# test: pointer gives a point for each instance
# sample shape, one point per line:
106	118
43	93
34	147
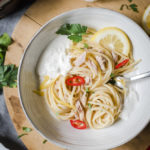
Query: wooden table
39	13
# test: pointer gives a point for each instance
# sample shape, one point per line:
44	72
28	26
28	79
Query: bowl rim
55	141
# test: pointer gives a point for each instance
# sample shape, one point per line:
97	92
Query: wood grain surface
39	13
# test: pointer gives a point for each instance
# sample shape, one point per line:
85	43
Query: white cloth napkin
2	147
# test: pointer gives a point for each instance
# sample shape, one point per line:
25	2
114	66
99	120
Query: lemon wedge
146	20
114	39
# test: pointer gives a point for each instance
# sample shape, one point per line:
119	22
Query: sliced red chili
75	81
121	64
78	124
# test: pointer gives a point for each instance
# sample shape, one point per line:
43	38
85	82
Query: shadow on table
11	144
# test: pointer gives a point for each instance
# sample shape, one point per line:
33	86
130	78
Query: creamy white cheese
130	103
54	60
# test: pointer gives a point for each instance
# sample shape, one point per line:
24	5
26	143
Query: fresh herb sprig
133	6
8	76
26	131
8	73
21	135
112	75
73	31
5	41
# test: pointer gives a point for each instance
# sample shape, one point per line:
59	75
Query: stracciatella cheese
54	60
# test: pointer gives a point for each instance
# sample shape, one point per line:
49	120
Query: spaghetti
85	95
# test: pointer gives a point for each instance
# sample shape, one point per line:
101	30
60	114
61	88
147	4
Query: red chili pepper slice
78	124
75	81
121	64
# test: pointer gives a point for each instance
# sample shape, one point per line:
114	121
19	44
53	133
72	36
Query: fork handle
140	76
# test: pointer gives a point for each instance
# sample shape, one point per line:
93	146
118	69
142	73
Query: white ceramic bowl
60	132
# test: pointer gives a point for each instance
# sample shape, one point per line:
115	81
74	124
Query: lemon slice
146	20
114	39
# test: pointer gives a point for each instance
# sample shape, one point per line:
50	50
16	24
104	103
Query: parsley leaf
112	75
87	90
19	136
86	45
122	6
134	7
130	1
74	31
64	29
2	55
5	40
44	141
75	38
90	106
26	129
8	75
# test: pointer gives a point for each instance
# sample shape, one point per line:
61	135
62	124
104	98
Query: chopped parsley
73	31
90	106
124	5
44	141
21	135
8	73
87	90
5	41
86	45
112	75
26	129
134	7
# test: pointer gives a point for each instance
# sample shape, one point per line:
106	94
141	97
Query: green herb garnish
112	75
44	141
19	136
122	6
74	31
5	41
86	45
87	90
26	129
8	75
134	7
90	106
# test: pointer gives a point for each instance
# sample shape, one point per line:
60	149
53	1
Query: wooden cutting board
39	13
